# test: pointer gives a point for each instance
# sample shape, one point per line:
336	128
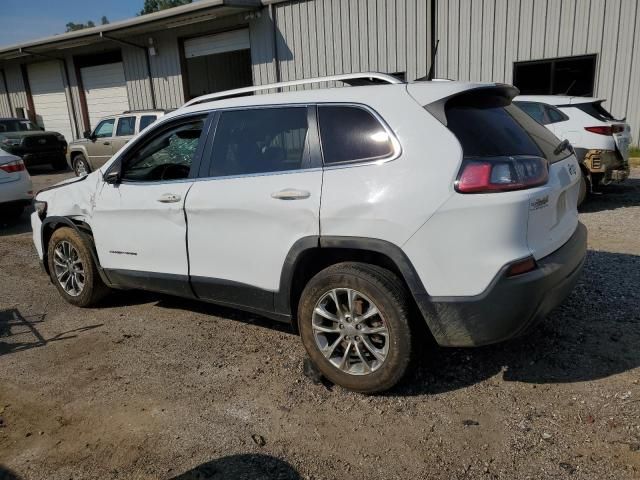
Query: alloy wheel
69	269
350	331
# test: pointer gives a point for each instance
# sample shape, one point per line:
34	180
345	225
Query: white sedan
16	190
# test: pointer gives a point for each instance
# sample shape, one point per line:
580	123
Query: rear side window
146	120
259	140
126	126
555	115
351	134
533	109
490	126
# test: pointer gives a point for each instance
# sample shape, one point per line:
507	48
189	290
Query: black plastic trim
282	298
509	305
228	292
169	283
54	221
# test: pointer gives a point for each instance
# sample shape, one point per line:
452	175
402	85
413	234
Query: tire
375	287
81	293
81	166
584	189
60	164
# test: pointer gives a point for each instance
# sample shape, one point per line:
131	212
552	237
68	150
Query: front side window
146	120
259	140
126	126
352	134
165	156
104	129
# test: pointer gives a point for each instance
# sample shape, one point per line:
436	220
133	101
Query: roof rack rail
353	79
142	110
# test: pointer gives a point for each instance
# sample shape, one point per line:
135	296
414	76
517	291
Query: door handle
107	143
291	194
169	198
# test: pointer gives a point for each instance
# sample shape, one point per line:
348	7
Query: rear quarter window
146	120
352	134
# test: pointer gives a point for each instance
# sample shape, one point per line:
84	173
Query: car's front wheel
81	166
354	323
72	268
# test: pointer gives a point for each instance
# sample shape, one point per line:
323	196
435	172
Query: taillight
501	174
12	167
606	129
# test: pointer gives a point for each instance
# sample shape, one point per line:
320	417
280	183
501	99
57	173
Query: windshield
17	125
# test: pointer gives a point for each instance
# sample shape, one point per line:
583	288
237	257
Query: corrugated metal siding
327	37
5	110
16	87
476	36
135	71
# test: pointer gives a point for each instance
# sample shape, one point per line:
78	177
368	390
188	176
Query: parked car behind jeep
110	135
601	142
35	146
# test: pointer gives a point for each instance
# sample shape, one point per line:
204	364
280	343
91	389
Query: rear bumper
510	305
40	158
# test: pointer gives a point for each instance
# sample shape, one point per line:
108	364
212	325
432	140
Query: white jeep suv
358	214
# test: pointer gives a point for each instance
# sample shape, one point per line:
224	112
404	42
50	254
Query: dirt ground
153	387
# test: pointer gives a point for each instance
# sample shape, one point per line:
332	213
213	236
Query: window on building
259	140
352	134
558	76
126	126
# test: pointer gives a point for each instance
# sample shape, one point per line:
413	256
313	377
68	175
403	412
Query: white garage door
49	97
218	43
105	90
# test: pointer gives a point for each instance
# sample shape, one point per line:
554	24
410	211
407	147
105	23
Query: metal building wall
480	40
327	37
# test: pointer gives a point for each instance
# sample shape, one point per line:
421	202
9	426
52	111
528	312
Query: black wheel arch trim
79	226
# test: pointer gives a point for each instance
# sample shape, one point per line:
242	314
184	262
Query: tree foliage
72	26
151	6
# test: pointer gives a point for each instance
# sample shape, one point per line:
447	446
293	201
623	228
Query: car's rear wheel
81	166
354	323
72	268
60	163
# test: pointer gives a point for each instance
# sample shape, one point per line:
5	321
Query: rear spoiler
480	95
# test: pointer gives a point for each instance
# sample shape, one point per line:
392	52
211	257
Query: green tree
151	6
104	20
72	27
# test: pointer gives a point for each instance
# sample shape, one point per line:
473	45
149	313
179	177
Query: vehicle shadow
22	225
594	334
136	297
19	333
6	474
611	197
242	467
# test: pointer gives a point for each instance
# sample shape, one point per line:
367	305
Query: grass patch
634	151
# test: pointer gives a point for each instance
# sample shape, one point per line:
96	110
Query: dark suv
35	146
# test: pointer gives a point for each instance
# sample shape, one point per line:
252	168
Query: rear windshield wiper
563	145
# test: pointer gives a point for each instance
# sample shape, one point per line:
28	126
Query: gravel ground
150	386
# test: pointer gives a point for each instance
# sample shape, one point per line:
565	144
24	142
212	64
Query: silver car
109	136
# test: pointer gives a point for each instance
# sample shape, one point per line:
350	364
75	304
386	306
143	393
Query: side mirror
112	177
86	134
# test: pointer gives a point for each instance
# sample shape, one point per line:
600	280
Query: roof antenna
433	62
571	86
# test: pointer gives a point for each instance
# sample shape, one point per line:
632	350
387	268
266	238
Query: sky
24	20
